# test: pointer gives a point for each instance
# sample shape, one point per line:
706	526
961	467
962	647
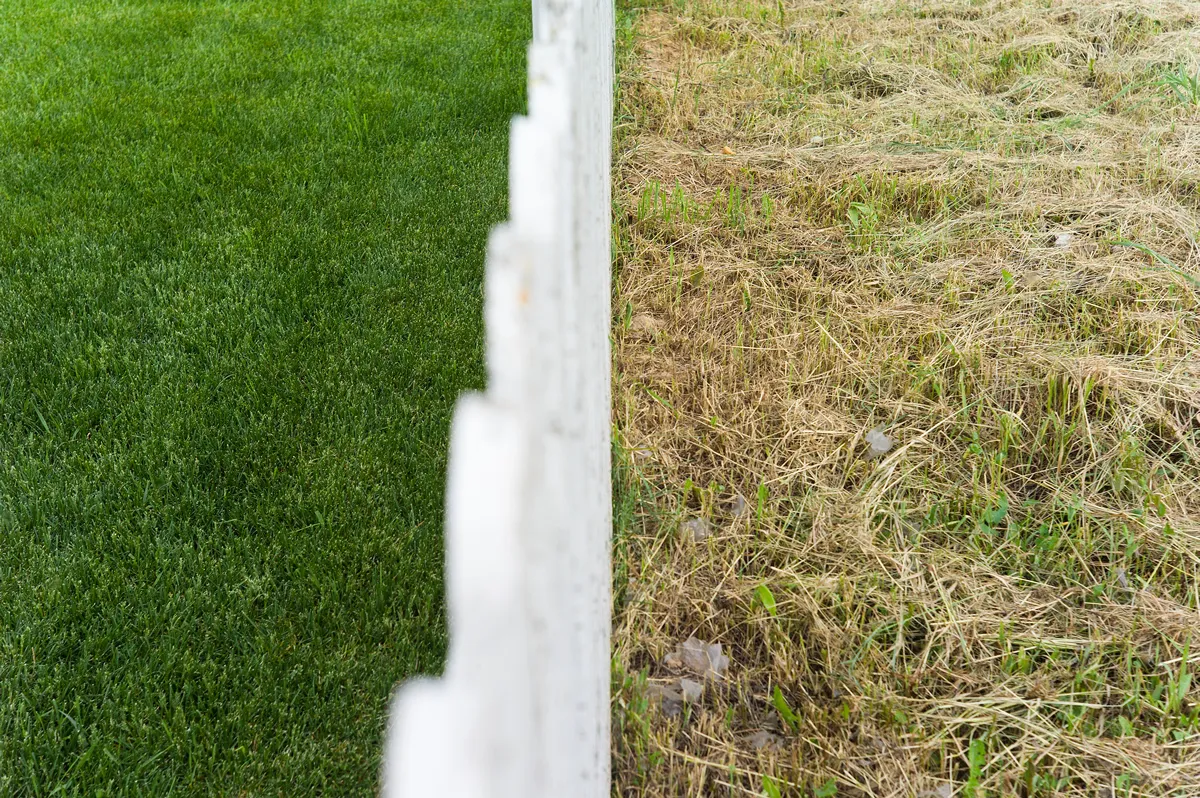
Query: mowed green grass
241	254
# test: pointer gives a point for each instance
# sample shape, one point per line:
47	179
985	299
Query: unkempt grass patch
241	253
908	391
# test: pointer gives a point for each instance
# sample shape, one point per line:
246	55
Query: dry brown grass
1004	603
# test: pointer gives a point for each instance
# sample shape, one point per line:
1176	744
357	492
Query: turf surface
241	251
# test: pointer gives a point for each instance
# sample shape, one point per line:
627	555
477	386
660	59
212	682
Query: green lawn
241	253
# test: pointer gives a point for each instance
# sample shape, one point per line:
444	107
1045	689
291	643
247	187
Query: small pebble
817	141
1063	240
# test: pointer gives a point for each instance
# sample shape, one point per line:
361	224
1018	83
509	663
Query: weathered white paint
522	709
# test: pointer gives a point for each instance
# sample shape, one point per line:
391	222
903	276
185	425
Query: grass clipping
908	394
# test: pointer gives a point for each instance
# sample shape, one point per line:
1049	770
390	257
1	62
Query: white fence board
523	706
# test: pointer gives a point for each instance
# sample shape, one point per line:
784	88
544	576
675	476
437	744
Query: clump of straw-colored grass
969	228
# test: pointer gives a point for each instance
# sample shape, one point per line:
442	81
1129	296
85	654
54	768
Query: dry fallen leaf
703	659
698	529
880	444
671	697
763	740
644	323
726	151
666	698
